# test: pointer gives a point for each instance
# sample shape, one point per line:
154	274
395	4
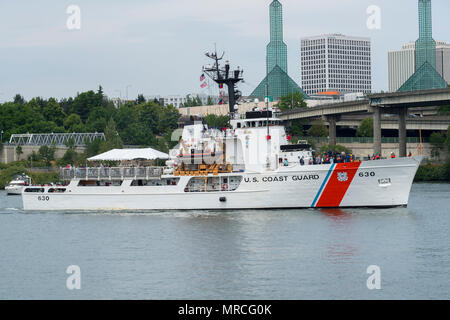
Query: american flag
202	77
203	85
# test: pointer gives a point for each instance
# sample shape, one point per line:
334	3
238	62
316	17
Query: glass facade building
425	45
277	82
425	76
276	49
402	64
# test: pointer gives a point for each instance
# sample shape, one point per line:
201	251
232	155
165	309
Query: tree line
138	122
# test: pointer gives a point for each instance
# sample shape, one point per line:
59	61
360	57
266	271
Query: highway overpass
429	123
375	105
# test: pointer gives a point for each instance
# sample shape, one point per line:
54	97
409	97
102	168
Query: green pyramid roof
425	78
280	84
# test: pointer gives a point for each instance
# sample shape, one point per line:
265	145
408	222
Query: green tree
192	102
293	100
70	144
19	152
448	138
437	141
66	104
444	110
365	128
96	121
52	111
69	157
215	121
137	124
47	154
297	127
113	140
73	123
210	101
318	129
140	99
85	102
34	156
168	119
93	148
18	99
197	101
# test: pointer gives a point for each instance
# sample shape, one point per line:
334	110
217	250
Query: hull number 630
367	174
43	198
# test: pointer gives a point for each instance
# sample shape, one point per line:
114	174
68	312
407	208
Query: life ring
224	186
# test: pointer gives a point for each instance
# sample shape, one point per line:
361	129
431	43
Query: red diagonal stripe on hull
335	190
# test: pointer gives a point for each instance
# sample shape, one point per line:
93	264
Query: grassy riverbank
433	172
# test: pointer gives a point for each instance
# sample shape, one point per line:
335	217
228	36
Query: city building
179	100
277	82
335	62
425	75
402	63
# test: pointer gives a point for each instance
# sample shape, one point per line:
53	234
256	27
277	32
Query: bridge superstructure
397	103
57	139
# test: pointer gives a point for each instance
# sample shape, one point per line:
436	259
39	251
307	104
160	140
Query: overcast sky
157	46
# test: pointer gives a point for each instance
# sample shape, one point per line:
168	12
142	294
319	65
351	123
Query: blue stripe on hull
323	185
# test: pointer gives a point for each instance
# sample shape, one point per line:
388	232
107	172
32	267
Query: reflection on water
335	213
251	254
340	248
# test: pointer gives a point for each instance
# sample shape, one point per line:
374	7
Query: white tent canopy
130	154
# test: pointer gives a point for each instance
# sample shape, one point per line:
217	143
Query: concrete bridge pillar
402	114
332	131
332	120
376	130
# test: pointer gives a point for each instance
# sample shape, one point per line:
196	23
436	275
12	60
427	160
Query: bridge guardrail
367	139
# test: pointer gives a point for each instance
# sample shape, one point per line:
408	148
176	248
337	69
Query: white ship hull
381	183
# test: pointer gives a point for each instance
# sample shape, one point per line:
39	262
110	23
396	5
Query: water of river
282	254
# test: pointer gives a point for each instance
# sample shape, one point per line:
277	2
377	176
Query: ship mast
225	76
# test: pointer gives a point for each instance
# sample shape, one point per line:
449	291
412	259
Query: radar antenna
223	76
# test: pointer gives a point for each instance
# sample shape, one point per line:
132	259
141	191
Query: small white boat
16	185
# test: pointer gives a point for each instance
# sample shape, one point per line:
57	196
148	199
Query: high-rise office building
277	82
335	62
402	64
425	75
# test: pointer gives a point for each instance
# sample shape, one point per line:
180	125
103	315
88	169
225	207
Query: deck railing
367	139
115	173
